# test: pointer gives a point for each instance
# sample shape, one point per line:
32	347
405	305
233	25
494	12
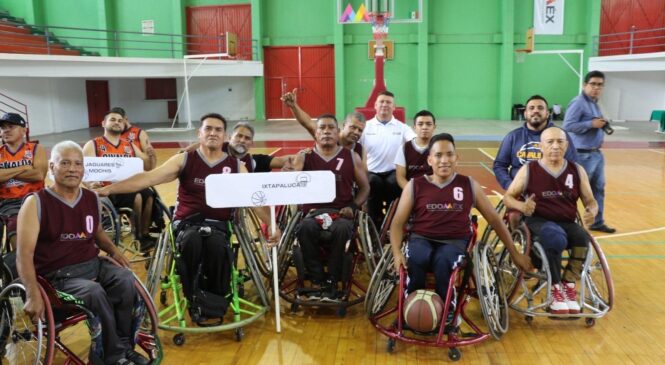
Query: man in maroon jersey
59	237
439	206
550	188
201	231
335	217
411	161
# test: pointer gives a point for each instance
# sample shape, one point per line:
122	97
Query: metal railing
631	42
116	43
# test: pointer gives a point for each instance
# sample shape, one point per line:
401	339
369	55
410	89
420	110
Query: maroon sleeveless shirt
416	161
66	233
191	197
342	166
358	148
442	213
555	196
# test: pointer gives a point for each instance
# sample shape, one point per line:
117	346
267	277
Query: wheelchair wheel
490	290
489	235
370	241
382	285
509	273
598	280
147	319
21	341
285	248
160	264
110	221
248	228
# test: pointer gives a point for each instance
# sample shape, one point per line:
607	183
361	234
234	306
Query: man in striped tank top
336	217
439	206
23	168
550	188
59	238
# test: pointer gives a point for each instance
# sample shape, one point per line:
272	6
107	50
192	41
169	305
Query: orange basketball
423	310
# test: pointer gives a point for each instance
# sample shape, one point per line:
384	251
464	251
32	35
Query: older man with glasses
585	123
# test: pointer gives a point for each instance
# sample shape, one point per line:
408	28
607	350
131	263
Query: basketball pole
278	325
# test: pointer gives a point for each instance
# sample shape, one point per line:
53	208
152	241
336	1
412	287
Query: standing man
411	160
586	124
522	144
23	168
383	137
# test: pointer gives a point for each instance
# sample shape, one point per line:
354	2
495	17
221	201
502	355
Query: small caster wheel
241	291
590	322
162	298
179	339
390	347
240	334
528	319
341	312
454	354
294	308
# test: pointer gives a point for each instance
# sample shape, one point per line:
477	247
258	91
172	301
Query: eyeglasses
599	85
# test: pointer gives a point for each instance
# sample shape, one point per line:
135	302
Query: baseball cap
13	118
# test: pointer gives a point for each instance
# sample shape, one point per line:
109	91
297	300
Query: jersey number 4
569	181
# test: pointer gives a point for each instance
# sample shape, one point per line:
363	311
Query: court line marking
485	153
630	233
487	168
498	194
661	152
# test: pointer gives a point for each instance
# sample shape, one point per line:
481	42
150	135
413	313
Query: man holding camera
585	124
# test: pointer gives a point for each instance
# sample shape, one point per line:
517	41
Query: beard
238	150
537	122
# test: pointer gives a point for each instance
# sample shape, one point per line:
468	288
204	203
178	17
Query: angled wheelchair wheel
510	274
382	285
147	320
490	290
248	228
160	265
285	247
597	280
370	241
21	341
110	221
489	235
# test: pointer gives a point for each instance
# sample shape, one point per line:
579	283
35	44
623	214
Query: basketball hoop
520	55
380	23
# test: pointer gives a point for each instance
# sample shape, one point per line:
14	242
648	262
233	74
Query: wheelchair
477	277
118	225
24	342
247	303
292	276
530	293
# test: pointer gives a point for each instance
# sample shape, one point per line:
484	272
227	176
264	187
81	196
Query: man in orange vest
23	167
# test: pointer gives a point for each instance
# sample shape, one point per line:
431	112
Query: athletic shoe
571	297
136	358
147	242
558	305
603	228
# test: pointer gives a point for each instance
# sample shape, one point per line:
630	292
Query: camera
607	128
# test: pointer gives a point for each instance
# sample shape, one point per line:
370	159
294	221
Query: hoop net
380	23
520	55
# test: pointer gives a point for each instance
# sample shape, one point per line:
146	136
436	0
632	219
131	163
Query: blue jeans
423	255
594	165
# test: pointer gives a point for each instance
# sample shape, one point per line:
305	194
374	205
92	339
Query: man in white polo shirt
382	139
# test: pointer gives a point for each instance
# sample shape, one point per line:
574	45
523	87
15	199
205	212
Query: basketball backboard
401	11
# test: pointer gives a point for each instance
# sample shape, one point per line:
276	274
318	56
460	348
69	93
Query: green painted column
179	26
506	59
593	30
340	73
105	20
259	82
423	61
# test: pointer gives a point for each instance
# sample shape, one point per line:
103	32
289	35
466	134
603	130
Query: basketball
423	310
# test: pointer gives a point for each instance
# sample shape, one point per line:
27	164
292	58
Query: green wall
459	62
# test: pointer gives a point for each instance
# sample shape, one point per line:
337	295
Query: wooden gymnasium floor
632	333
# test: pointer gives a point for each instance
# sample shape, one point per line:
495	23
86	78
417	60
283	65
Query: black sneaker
137	358
147	242
603	228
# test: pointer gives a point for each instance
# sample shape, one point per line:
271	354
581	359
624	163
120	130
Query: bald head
553	144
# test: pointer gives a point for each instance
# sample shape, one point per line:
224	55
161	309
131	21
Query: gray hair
355	115
244	124
61	147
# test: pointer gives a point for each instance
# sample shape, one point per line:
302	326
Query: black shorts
127	200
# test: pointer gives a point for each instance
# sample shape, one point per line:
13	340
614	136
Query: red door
97	94
210	22
310	69
620	16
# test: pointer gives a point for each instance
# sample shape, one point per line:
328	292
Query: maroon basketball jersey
358	148
66	232
341	165
191	197
555	196
247	159
442	212
416	161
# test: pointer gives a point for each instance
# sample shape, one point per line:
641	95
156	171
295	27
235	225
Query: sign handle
275	284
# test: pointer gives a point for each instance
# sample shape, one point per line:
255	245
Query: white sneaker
571	297
558	305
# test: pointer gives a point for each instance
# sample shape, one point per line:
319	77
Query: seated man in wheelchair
23	168
202	233
438	207
550	188
336	217
59	237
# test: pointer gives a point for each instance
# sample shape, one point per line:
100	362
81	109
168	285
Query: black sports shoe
136	358
147	242
603	228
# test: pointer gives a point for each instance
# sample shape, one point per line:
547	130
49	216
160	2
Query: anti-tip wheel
590	322
179	339
240	334
390	347
454	354
528	319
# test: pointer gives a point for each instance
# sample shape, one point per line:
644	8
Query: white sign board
111	168
548	16
269	188
147	27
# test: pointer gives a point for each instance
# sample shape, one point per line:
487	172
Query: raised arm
26	233
148	149
301	116
400	218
